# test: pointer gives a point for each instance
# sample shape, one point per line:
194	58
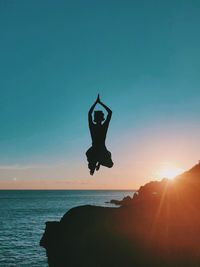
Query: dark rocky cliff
160	226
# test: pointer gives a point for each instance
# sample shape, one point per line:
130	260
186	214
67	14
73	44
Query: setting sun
169	171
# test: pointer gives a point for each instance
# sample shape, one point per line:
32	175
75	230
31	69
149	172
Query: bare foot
97	166
91	172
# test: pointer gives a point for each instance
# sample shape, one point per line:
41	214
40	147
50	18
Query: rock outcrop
158	226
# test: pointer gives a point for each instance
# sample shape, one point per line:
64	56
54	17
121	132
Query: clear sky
142	57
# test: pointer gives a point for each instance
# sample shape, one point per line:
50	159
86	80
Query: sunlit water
23	215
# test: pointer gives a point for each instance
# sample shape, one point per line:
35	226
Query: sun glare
169	171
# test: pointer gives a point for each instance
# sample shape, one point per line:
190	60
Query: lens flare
169	171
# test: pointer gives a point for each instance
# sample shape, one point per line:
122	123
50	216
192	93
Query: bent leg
91	158
108	163
106	159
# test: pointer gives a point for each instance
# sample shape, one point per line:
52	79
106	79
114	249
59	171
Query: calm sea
23	215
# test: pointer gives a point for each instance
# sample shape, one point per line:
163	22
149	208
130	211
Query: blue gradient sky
141	56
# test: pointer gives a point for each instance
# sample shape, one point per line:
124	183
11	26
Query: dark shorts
99	155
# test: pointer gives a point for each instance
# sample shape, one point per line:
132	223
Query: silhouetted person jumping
98	154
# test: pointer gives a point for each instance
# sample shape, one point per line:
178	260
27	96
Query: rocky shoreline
158	226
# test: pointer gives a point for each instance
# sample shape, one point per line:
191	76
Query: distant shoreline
117	190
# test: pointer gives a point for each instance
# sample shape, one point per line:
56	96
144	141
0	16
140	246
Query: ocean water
23	215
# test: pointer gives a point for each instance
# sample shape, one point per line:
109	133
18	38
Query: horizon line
46	189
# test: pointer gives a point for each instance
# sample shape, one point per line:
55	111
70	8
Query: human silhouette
98	154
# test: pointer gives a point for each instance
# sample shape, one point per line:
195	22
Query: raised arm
107	109
90	112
